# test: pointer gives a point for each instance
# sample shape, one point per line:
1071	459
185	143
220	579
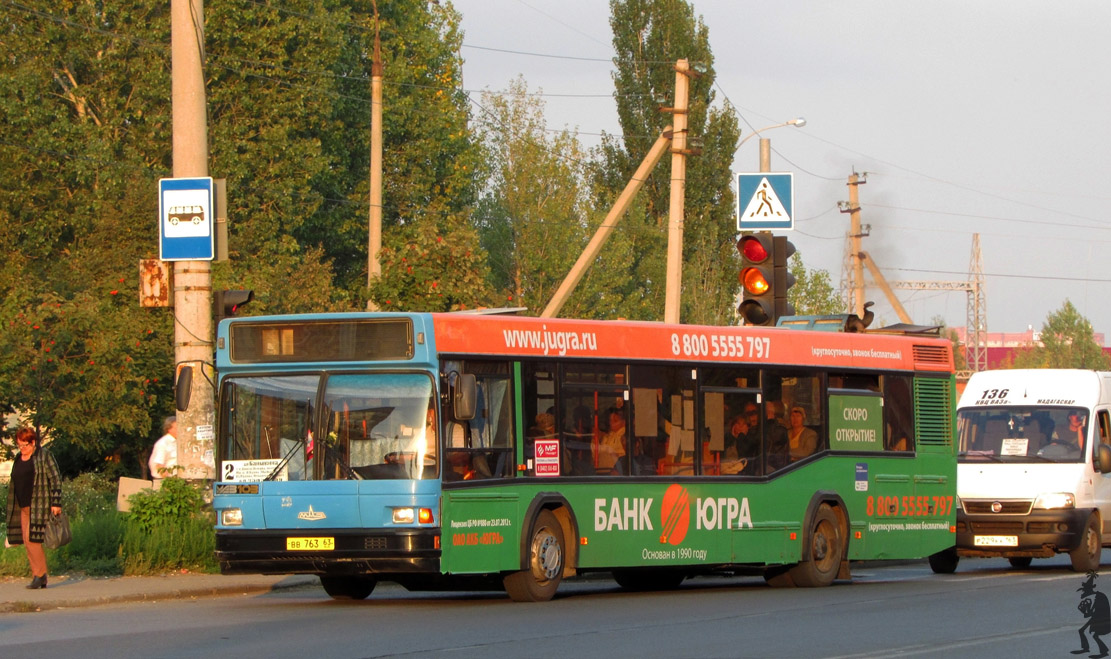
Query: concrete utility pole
374	242
855	289
678	191
192	279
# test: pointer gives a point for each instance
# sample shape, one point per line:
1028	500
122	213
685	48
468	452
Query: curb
30	604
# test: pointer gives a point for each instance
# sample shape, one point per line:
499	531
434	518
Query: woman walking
34	491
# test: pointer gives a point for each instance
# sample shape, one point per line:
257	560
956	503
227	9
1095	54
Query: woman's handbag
57	531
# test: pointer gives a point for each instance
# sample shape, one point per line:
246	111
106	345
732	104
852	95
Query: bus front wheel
823	560
348	588
539	582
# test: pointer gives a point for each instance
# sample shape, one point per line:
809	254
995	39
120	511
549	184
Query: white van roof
1040	386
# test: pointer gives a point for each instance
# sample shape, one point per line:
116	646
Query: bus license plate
310	544
995	541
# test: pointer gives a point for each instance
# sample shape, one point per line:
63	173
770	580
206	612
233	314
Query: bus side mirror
463	396
183	388
1103	459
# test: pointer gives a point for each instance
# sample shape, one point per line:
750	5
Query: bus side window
898	406
1104	427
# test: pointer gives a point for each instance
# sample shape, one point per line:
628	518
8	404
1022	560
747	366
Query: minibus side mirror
1102	461
463	397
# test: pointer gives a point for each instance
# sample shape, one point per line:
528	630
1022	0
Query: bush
177	501
95	548
168	529
186	544
88	495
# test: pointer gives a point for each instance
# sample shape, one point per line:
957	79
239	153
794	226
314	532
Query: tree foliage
85	99
1067	341
813	292
534	214
649	36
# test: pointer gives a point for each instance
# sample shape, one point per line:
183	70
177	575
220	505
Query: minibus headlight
1054	500
231	517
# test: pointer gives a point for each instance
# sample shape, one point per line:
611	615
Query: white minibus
1034	467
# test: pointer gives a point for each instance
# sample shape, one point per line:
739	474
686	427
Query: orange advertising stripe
600	339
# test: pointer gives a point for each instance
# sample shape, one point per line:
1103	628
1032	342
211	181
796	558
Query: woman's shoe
36	583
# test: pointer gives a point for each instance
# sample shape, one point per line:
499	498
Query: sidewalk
71	591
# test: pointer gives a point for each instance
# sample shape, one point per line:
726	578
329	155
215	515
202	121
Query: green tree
535	199
82	100
813	293
1067	341
649	36
85	104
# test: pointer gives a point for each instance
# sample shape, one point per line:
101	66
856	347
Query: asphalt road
986	609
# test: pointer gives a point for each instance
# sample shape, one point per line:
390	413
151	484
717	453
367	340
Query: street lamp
766	144
797	123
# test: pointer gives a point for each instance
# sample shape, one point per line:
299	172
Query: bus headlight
1052	500
231	517
408	515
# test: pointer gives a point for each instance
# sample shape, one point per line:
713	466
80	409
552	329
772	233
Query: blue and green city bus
469	450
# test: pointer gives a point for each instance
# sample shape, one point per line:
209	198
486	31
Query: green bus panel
891	513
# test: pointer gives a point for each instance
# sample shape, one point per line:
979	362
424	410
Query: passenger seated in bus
642	463
802	440
775	437
611	446
544	427
736	435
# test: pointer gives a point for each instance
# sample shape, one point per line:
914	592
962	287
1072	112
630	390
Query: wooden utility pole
192	279
608	225
374	241
678	190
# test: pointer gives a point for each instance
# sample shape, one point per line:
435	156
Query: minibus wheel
1087	554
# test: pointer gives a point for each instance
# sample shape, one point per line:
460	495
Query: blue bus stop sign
185	219
765	201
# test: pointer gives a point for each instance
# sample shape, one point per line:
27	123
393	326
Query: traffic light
227	303
757	278
783	279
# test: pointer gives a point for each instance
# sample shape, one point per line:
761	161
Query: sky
969	118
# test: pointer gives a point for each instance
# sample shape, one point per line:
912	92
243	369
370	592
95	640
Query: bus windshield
369	426
1022	434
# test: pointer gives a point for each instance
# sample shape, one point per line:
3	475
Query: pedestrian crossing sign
765	201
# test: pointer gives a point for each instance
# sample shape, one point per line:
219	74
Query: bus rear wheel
645	580
1085	557
945	561
348	588
827	545
539	582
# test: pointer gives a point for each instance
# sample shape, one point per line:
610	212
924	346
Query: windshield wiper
298	443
